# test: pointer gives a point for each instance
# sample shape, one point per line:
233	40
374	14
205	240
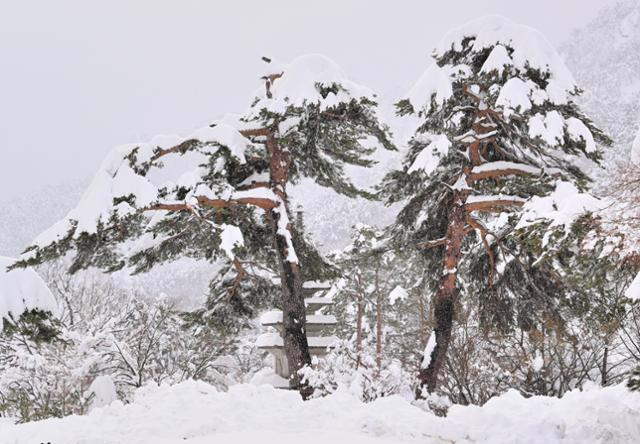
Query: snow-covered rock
103	391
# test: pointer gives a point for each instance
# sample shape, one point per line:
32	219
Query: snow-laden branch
21	291
502	169
493	203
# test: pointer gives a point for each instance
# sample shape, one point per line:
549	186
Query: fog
79	77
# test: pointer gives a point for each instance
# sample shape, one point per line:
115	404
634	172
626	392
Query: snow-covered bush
357	372
550	358
40	380
106	330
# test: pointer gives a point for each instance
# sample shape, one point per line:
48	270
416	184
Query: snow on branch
130	180
492	203
502	169
221	134
560	208
471	136
432	243
529	50
427	160
21	291
309	79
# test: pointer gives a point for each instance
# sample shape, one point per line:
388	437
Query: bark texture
445	297
296	347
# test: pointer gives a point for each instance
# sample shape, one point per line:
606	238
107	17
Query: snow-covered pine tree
372	275
26	304
501	146
371	308
222	191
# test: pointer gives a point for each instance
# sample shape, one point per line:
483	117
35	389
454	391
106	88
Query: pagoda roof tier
274	340
274	318
316	285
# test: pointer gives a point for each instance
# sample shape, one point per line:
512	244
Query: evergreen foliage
495	173
231	204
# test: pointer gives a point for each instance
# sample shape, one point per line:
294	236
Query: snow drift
194	413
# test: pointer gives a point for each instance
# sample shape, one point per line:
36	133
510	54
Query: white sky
79	77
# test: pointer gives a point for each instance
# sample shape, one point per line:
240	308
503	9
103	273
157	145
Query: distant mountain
24	217
604	57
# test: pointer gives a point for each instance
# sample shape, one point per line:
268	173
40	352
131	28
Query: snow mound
594	415
22	290
103	390
194	413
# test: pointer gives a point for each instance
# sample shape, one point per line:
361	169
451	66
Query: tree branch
491	170
494	205
260	202
483	235
432	243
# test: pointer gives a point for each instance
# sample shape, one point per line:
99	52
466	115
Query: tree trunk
359	315
605	358
296	347
379	332
378	322
445	297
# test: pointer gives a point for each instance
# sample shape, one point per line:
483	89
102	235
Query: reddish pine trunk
447	291
445	297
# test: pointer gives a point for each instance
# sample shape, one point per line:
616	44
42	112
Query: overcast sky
79	77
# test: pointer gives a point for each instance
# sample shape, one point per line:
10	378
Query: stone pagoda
317	322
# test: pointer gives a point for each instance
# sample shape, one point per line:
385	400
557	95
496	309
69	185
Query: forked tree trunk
445	297
296	347
456	231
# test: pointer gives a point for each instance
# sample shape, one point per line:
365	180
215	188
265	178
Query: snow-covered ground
195	413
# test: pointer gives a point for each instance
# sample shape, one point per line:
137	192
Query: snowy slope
195	413
603	57
24	217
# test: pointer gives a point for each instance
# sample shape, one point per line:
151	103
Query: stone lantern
316	324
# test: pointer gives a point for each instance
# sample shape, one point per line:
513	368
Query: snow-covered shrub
634	380
549	358
346	369
40	380
109	331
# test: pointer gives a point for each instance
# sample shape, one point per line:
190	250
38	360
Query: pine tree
501	152
634	380
27	306
310	121
373	294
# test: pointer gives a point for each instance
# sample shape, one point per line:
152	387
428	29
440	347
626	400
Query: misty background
80	77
